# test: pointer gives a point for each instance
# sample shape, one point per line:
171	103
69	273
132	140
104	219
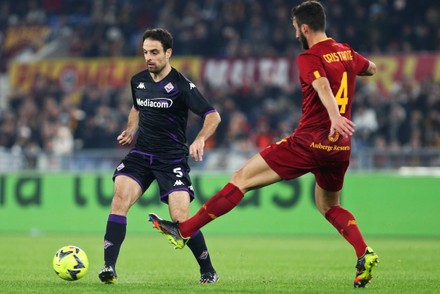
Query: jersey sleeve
361	63
132	93
196	101
310	67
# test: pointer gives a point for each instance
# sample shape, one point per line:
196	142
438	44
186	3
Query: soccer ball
70	263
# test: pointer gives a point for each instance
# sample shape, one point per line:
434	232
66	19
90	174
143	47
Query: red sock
222	202
346	225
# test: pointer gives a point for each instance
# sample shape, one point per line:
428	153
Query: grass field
246	264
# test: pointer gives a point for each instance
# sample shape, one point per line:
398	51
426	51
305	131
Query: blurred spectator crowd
224	27
48	119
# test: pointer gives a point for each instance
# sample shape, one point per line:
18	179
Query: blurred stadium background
65	67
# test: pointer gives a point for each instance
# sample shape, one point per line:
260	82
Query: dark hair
161	35
311	13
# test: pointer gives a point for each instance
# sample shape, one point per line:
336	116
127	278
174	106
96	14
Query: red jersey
310	149
340	64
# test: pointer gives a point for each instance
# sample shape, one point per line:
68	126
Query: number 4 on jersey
342	95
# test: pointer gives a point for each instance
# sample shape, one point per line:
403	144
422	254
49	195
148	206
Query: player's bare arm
371	70
127	135
339	123
210	124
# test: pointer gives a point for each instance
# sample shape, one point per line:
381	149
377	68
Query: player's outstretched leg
169	229
108	275
364	268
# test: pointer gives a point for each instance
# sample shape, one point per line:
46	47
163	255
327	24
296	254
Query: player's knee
120	204
179	217
179	214
238	180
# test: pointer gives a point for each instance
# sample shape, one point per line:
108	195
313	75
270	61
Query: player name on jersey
338	56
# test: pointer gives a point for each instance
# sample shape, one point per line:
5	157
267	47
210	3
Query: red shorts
297	155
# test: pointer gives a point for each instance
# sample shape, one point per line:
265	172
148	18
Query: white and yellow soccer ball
70	263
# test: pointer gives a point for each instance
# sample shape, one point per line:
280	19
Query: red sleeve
310	67
360	62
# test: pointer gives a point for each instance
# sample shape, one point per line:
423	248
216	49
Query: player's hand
196	149
343	126
125	138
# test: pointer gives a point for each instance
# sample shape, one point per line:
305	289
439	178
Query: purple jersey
163	112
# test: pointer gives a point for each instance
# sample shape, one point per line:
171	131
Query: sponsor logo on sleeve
121	166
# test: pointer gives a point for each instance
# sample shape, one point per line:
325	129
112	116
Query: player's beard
156	70
302	39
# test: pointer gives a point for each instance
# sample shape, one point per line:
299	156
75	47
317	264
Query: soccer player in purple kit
320	144
162	98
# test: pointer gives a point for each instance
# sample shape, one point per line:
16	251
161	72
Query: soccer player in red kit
321	144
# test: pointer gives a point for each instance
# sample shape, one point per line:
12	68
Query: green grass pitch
245	263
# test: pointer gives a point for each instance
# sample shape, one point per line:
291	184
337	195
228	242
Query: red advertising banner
240	72
282	71
392	68
73	74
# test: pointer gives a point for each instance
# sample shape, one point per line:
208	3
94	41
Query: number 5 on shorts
178	172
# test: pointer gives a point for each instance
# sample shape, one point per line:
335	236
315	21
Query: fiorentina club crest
169	87
121	166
